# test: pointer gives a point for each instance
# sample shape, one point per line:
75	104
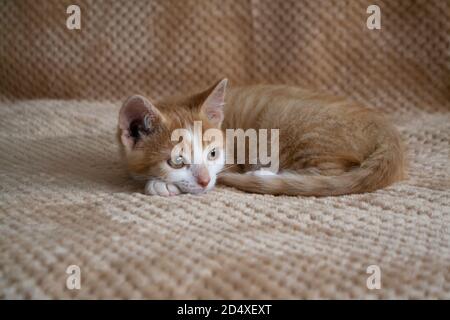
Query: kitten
327	145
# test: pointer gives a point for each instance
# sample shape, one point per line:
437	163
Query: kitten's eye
213	154
177	163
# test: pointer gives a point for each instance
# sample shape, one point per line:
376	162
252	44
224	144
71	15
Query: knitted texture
65	198
163	47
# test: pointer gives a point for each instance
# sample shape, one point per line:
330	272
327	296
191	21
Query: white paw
161	188
262	172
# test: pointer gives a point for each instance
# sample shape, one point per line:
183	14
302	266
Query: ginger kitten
326	146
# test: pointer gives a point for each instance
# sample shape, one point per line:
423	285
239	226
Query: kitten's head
145	134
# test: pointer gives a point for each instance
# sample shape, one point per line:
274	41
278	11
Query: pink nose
203	181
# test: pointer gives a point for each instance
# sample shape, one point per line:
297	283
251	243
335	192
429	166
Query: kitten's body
327	145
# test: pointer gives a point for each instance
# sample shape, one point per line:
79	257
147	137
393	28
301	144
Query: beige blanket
65	199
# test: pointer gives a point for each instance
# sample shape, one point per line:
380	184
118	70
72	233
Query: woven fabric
65	198
164	47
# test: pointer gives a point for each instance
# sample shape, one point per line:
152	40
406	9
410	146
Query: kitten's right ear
138	118
213	105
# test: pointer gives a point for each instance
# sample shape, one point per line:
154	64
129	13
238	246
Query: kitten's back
354	149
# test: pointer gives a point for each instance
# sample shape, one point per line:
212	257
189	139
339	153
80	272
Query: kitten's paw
161	188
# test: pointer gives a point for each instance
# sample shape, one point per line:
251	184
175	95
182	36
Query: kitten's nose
201	174
203	181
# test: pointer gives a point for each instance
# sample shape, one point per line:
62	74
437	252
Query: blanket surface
65	198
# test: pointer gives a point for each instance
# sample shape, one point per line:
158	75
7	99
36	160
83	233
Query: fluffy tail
383	167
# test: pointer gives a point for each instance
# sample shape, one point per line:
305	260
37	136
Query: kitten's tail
383	167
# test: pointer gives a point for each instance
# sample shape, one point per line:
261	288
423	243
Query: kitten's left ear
138	118
213	105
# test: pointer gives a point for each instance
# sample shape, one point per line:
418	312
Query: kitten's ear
138	118
213	105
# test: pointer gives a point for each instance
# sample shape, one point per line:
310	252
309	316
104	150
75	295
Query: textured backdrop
162	47
65	198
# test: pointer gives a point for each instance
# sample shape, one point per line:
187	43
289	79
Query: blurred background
162	47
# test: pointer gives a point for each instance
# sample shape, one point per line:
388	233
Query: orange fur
327	145
175	113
